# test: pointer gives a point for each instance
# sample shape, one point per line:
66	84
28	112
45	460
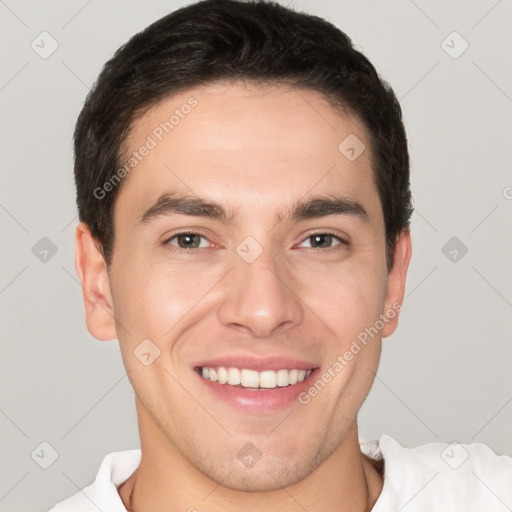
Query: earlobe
93	273
396	282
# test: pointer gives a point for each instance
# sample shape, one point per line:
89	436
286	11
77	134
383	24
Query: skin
256	150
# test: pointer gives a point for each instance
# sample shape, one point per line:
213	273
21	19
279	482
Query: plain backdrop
445	374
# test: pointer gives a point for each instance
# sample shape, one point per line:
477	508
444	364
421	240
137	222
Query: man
243	188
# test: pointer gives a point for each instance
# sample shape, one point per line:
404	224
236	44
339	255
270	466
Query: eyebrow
168	204
315	207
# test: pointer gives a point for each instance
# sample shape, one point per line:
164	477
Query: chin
272	472
270	477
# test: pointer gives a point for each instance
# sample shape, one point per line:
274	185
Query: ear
93	273
396	282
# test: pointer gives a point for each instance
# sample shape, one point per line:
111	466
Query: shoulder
443	476
102	494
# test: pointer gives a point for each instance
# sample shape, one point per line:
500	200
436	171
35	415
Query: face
248	264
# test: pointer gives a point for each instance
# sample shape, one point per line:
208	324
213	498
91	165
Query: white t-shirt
433	477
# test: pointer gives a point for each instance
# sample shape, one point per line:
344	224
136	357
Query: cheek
152	299
348	299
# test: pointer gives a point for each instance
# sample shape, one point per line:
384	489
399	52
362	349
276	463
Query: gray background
444	376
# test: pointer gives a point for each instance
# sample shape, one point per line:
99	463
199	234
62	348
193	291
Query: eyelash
337	237
167	241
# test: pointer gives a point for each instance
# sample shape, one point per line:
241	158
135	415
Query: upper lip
257	363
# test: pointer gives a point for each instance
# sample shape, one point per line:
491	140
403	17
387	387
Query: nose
259	298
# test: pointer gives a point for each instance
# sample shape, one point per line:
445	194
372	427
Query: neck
165	480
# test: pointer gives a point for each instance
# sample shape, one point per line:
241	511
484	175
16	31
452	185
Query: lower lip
261	401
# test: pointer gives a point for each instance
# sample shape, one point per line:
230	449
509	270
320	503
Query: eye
188	241
322	241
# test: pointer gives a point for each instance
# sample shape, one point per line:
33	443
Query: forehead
247	144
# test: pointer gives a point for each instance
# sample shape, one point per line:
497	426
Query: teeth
222	375
233	376
249	379
283	378
267	379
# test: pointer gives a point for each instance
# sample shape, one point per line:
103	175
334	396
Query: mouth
254	380
259	387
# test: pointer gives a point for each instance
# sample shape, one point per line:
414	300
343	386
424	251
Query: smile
252	379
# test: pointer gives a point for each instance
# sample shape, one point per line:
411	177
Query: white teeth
233	376
249	379
267	379
283	378
222	375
